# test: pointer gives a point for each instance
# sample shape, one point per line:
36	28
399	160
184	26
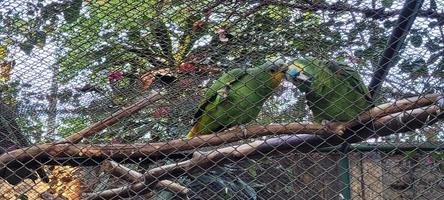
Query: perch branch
402	121
111	120
394	107
50	153
76	154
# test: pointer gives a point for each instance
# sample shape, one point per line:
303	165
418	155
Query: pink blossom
161	112
115	75
222	35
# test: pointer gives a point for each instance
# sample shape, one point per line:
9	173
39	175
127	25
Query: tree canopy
96	56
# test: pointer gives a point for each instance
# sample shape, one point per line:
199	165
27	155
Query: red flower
222	35
187	67
197	25
161	112
115	75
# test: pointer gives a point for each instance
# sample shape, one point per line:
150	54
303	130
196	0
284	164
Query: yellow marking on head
299	66
277	78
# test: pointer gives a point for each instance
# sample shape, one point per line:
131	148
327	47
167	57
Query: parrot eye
273	69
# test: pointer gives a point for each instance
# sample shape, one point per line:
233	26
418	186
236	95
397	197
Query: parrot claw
336	127
243	130
324	122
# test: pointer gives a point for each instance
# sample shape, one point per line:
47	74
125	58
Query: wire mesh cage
210	99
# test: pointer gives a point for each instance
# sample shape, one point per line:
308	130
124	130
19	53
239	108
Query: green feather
336	92
235	98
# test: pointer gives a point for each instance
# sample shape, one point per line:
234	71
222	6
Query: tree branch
121	171
397	106
111	120
402	121
402	115
89	154
132	176
389	57
76	154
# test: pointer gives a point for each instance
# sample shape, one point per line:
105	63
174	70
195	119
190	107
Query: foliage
102	49
97	40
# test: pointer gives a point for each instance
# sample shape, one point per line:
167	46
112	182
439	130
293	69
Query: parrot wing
344	72
220	88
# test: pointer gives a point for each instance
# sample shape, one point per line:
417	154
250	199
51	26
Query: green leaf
162	35
387	3
433	5
438	156
409	154
432	45
252	170
416	40
72	13
38	38
23	197
389	24
433	24
416	68
26	47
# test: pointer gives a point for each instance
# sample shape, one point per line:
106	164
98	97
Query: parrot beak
303	78
284	69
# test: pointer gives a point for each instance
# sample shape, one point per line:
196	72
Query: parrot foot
243	130
336	127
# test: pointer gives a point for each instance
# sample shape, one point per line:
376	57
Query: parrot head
295	73
277	68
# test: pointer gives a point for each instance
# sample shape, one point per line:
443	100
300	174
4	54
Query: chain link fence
210	99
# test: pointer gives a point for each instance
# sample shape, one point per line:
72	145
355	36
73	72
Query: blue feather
293	72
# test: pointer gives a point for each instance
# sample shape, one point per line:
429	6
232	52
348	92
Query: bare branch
121	171
133	176
397	106
122	192
76	154
111	120
386	125
389	58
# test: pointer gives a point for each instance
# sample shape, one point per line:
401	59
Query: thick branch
79	153
75	154
120	171
388	59
111	120
403	121
132	176
394	107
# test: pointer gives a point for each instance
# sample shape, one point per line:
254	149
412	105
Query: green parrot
334	91
237	97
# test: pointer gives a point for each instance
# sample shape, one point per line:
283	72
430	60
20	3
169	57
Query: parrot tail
192	132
